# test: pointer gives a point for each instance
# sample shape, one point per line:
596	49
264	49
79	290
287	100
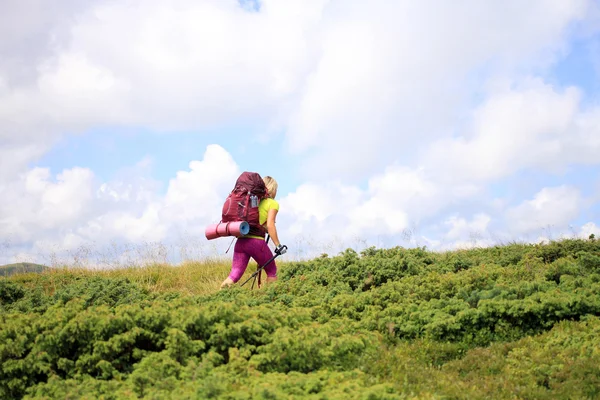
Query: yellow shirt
263	211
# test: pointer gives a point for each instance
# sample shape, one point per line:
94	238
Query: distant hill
21	268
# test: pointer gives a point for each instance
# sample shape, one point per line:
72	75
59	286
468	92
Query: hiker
255	246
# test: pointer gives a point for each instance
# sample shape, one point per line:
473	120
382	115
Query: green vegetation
21	268
515	321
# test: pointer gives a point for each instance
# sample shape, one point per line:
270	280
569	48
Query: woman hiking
255	246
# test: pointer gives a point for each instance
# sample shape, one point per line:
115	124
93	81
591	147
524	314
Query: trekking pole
260	269
260	273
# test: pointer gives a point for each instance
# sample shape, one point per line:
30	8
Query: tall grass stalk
191	278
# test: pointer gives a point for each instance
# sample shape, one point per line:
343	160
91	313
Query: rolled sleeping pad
237	229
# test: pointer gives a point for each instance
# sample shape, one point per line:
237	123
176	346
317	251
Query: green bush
10	292
503	322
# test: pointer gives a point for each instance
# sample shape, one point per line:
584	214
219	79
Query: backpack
242	202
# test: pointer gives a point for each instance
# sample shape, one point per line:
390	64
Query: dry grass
191	277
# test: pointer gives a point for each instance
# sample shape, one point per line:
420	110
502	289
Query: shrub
516	320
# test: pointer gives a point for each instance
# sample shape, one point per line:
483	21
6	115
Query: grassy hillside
516	321
21	268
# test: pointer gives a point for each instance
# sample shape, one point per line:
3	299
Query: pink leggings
255	248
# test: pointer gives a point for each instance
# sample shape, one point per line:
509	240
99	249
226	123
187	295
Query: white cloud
192	200
64	201
460	227
588	229
367	82
73	209
73	216
185	65
516	128
30	31
312	201
427	102
391	209
395	74
195	197
35	204
551	207
127	226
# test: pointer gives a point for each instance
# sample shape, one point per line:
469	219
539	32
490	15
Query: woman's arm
271	216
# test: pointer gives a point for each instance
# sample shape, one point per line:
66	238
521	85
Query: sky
124	125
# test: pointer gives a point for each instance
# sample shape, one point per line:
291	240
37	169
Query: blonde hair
271	185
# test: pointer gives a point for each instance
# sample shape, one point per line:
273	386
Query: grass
189	278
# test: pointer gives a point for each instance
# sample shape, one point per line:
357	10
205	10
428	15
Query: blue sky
580	67
110	152
377	120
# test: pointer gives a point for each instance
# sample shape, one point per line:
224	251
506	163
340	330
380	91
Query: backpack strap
229	245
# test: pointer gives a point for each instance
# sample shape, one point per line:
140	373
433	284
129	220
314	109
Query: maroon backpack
242	202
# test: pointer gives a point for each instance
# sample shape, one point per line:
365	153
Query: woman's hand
281	249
